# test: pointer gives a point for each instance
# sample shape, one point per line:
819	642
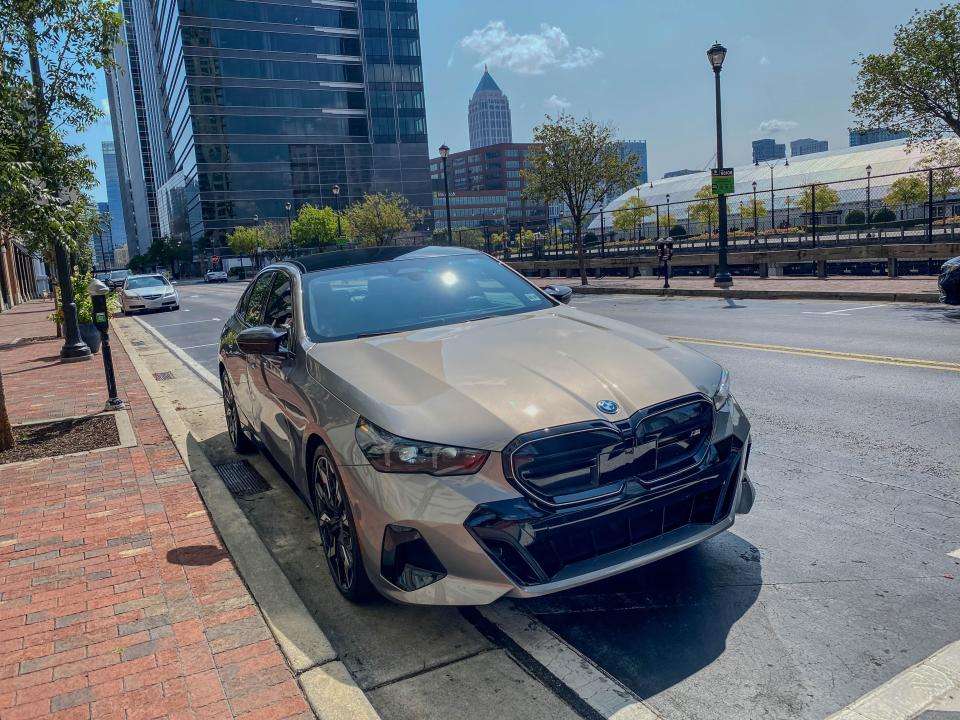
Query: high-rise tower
489	114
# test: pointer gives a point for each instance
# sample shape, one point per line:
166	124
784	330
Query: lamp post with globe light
444	152
716	55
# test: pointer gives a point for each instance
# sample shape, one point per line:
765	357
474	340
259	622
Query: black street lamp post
669	219
754	211
288	207
444	152
336	195
869	171
716	55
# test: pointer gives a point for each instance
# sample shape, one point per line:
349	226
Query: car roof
365	256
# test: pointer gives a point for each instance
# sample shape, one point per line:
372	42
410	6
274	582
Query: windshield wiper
375	334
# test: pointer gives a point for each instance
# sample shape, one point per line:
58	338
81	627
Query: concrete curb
760	294
329	688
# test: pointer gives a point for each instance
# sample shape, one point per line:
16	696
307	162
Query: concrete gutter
760	294
326	683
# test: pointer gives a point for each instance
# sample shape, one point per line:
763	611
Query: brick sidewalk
117	597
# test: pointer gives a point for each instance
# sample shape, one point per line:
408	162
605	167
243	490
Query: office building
874	135
489	115
485	188
680	173
805	146
267	106
101	242
768	149
115	191
638	148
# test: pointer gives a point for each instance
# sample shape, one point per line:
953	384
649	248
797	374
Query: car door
239	364
277	399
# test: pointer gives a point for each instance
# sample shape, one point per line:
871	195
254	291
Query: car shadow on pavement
932	313
660	624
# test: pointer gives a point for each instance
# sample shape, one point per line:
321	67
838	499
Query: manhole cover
161	376
138	343
241	479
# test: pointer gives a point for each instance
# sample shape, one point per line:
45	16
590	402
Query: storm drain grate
138	343
241	479
161	376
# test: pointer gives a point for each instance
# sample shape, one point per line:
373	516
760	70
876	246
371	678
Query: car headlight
389	453
722	393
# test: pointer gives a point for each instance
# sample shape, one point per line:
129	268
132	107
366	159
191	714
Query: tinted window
136	283
405	294
251	310
280	307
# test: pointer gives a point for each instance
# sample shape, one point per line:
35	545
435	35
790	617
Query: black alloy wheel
338	532
238	437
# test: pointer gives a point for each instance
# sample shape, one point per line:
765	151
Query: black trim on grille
588	461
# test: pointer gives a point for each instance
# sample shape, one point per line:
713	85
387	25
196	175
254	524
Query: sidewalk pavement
905	289
117	597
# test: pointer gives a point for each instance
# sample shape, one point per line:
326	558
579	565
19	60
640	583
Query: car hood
481	384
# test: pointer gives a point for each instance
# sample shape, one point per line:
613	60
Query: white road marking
194	347
595	687
844	310
954	554
190	322
909	693
204	374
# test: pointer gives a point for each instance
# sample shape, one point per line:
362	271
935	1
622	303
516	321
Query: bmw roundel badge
608	406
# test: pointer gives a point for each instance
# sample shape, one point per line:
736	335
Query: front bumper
494	541
137	304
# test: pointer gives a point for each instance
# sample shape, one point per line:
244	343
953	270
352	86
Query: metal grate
138	343
241	479
161	376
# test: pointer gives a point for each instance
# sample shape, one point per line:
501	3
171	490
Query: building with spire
489	114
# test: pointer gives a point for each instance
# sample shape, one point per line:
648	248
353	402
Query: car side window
252	312
280	306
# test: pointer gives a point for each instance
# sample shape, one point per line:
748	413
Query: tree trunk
6	433
581	261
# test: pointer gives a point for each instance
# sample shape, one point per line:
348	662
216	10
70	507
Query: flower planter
91	336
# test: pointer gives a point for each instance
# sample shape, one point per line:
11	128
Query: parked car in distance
949	282
461	435
213	276
148	292
117	278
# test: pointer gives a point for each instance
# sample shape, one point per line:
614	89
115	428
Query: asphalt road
841	576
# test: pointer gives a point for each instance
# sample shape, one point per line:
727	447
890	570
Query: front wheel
338	531
238	437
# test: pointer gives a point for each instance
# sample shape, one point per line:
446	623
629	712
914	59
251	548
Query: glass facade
271	102
489	115
114	204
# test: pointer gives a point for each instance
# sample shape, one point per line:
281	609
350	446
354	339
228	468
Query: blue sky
641	65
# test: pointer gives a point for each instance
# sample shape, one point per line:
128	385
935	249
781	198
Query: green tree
469	237
576	162
826	197
631	215
906	191
707	211
749	206
378	219
244	240
916	87
943	158
314	227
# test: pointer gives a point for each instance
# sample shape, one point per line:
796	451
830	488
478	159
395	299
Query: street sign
215	259
721	181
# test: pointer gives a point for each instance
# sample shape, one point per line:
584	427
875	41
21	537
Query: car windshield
119	274
388	297
138	283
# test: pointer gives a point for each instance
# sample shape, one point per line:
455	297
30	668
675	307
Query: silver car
461	435
148	292
213	276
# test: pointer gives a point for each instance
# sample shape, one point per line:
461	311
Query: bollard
101	318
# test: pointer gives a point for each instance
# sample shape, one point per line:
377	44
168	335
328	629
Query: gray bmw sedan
462	435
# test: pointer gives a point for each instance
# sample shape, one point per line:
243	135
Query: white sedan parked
148	292
213	276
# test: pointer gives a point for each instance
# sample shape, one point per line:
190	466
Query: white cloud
555	102
527	54
775	126
764	60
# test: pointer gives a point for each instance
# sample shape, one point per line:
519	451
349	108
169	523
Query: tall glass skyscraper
489	115
115	190
268	104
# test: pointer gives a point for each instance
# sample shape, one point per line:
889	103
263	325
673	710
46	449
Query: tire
338	530
239	440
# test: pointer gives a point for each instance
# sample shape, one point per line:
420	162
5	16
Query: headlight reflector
392	454
722	394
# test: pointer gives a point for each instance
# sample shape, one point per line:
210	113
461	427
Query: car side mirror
261	340
560	293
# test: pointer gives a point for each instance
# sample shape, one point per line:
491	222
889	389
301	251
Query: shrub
884	215
856	217
678	231
84	301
